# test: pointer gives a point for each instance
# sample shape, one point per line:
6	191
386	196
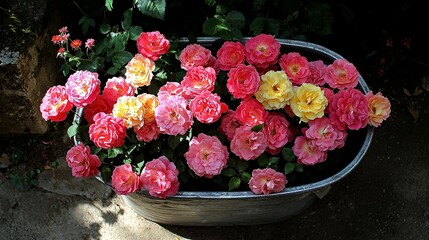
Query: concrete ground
385	197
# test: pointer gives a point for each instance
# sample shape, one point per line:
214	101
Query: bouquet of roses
245	117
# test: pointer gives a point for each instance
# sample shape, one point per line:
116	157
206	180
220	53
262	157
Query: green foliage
153	8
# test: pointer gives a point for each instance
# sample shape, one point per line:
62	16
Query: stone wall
27	63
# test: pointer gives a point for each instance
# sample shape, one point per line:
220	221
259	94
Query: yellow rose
131	110
308	102
139	71
275	90
150	102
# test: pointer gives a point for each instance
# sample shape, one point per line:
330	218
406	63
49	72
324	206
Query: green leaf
161	75
174	141
152	8
257	25
121	58
114	152
272	27
245	176
72	130
320	18
213	26
229	172
109	5
221	9
242	165
210	3
234	183
287	154
257	128
262	161
273	161
258	4
105	28
106	174
82	20
236	19
135	32
299	168
289	167
112	70
128	17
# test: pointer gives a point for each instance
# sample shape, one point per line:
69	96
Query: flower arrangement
242	116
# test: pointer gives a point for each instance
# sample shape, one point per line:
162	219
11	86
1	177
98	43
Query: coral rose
173	116
325	135
262	50
317	73
295	66
194	55
341	74
82	162
107	131
243	81
308	102
206	155
379	108
139	71
349	109
55	104
117	87
82	88
250	112
171	89
276	130
152	44
275	90
230	55
307	152
159	177
199	79
150	131
247	144
229	124
124	180
101	104
207	107
266	181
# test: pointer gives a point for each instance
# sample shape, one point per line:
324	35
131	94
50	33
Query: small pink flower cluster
268	91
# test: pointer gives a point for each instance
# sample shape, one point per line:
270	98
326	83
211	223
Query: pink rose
262	50
82	162
379	108
172	89
207	107
230	55
124	180
101	104
117	87
159	177
341	74
295	66
198	79
349	109
206	155
55	104
82	88
276	130
194	55
325	135
317	73
173	116
213	63
229	124
150	131
107	131
250	112
152	44
267	181
248	145
243	81
307	152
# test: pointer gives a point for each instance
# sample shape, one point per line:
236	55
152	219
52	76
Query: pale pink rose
325	135
117	87
379	108
341	74
173	117
229	124
150	131
82	162
247	144
101	104
266	181
55	104
276	130
243	81
171	89
262	50
194	55
206	155
207	107
295	66
317	73
160	177
82	88
89	43
230	55
125	180
307	152
107	131
152	45
250	112
349	109
198	79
